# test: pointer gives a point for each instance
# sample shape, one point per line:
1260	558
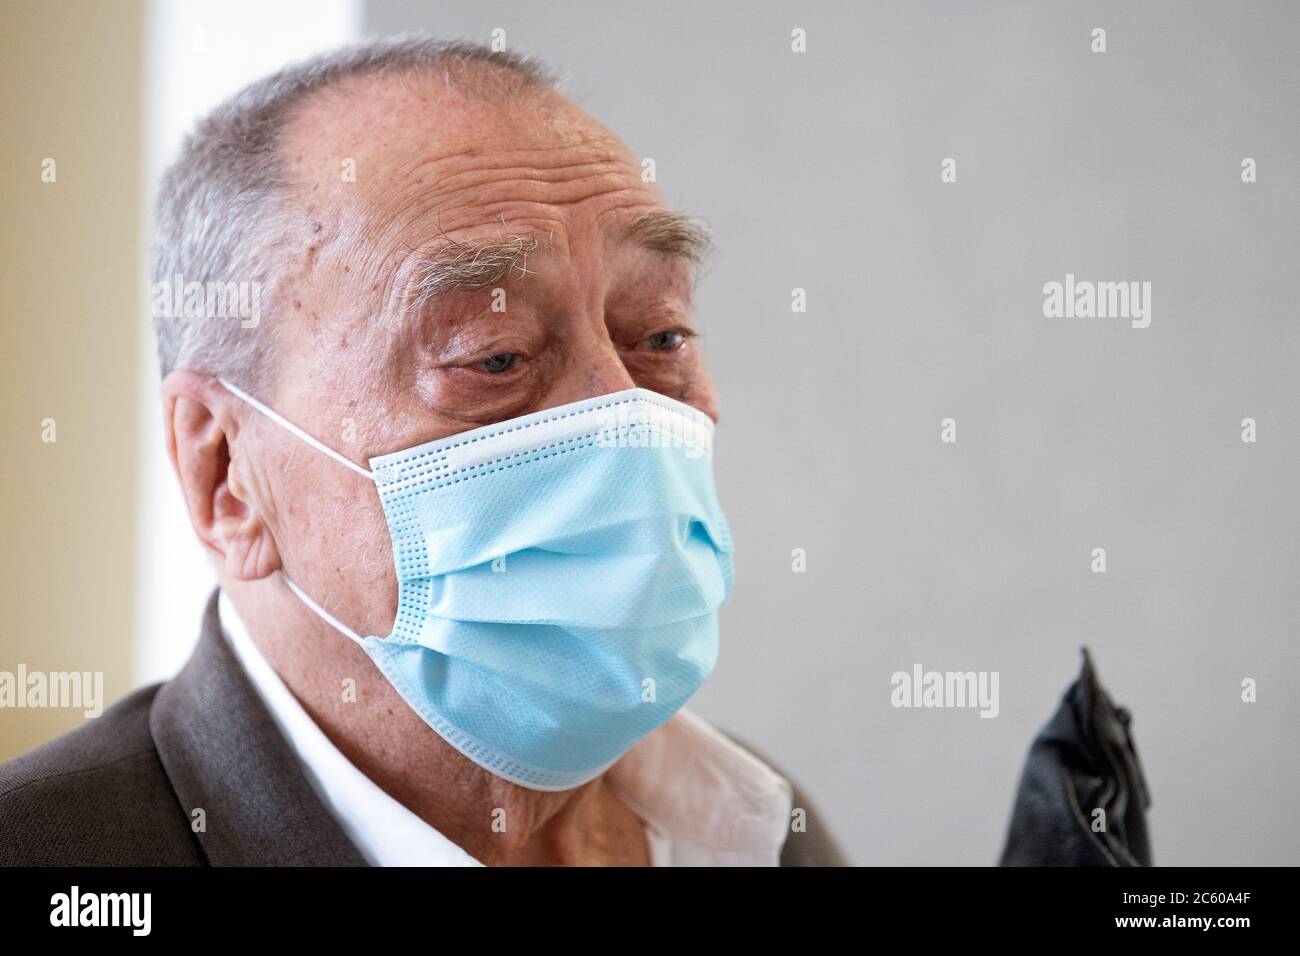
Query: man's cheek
341	539
369	561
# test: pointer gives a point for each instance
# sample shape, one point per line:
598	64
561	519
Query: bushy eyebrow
454	266
474	265
673	232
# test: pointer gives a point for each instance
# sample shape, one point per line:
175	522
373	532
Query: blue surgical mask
559	577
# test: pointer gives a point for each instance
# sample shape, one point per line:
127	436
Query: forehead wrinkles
551	195
426	171
480	184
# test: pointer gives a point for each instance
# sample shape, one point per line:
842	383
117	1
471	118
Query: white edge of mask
600	415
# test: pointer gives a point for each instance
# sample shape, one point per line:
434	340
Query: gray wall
821	171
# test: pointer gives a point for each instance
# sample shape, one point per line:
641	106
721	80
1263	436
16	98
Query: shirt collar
717	802
705	800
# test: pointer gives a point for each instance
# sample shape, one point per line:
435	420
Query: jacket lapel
224	754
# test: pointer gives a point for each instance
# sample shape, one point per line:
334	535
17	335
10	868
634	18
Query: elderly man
457	485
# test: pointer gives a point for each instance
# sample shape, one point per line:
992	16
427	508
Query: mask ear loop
323	614
283	422
294	429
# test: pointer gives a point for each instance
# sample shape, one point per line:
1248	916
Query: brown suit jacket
121	790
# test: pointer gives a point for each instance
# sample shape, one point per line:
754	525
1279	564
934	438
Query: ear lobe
199	419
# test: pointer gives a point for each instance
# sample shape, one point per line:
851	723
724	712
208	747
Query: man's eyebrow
469	266
474	265
676	233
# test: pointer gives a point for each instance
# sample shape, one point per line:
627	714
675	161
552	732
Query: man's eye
670	340
499	364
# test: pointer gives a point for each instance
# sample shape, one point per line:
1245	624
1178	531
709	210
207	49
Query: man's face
370	366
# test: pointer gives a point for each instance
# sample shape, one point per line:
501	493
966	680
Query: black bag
1082	761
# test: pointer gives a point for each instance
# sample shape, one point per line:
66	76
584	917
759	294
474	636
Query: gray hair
217	198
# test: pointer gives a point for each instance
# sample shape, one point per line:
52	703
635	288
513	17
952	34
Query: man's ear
201	420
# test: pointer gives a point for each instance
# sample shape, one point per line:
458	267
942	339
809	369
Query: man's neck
495	821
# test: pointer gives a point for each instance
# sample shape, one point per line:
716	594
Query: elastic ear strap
291	427
323	614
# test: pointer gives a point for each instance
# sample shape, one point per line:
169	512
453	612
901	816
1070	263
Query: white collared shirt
704	800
